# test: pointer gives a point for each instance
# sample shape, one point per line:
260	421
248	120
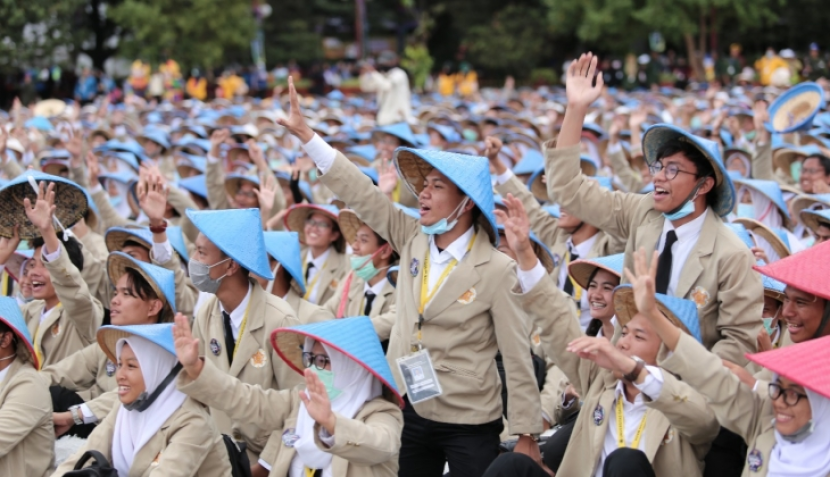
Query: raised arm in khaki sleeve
215	181
383	322
109	216
544	225
762	163
103	404
76	372
95	276
624	172
12	169
85	311
372	441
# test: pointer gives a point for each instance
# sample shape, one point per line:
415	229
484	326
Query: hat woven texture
681	312
813	218
298	213
234	181
795	109
70	201
237	233
582	269
160	334
778	243
116	236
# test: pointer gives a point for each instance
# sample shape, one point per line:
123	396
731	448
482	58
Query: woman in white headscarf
156	430
345	421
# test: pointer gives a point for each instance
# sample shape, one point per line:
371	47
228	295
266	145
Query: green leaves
513	41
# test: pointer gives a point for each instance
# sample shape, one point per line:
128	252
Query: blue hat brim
160	279
11	315
284	247
770	189
160	334
237	233
681	312
176	238
115	237
581	270
196	185
809	93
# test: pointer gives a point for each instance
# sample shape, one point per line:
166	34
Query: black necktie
308	268
230	343
664	264
369	297
569	286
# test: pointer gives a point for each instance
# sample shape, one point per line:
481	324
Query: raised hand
764	340
492	147
267	191
40	214
217	138
602	352
187	347
642	280
9	245
581	86
152	196
295	123
516	224
257	156
93	168
317	402
388	178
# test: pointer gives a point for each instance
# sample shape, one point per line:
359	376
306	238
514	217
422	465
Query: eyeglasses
320	361
671	170
248	194
811	171
791	397
317	224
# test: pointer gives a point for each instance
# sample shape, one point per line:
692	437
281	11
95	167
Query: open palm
581	89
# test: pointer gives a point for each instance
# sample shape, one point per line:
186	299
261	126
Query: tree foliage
513	41
32	31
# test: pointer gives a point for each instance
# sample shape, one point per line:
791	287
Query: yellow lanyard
310	286
310	472
577	288
37	344
241	329
621	427
426	295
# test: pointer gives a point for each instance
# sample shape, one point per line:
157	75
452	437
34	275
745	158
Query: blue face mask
768	325
746	211
687	209
327	377
116	200
442	226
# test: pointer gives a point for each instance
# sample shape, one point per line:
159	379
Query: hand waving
516	224
217	138
40	214
187	347
388	179
267	191
642	280
582	88
295	123
152	195
9	245
317	403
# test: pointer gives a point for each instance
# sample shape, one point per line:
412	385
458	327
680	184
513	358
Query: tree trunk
694	58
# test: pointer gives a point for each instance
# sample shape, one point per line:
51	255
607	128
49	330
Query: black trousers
62	400
623	462
727	455
426	445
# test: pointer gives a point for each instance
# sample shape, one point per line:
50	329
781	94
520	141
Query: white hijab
123	208
357	386
810	457
133	429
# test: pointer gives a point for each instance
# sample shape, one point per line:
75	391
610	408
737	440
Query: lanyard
426	295
309	472
621	427
310	287
577	289
242	328
37	343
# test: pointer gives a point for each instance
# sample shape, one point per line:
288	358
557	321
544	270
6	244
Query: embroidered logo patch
290	437
754	460
468	297
413	267
334	284
599	415
214	347
56	329
669	436
259	359
700	296
556	260
110	368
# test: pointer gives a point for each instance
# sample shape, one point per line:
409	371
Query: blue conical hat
195	184
681	312
284	247
93	216
659	134
176	238
795	109
364	154
371	172
157	136
237	233
772	287
70	201
11	315
813	218
125	157
234	180
160	279
116	236
160	334
401	131
447	132
771	191
192	161
553	210
532	161
742	233
354	337
471	174
298	213
778	240
582	269
588	166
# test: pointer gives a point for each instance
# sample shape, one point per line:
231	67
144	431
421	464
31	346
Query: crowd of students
577	281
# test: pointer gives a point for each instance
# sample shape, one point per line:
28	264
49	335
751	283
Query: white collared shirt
633	412
687	235
438	261
4	373
238	315
317	268
377	288
582	250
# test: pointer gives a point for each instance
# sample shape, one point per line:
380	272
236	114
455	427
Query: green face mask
327	377
363	267
795	170
768	325
312	174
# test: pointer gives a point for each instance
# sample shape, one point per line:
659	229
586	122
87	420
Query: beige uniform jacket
624	172
717	275
175	197
27	439
218	196
95	264
256	362
763	168
680	426
738	408
366	445
327	280
188	444
71	325
306	311
383	310
470	318
87	372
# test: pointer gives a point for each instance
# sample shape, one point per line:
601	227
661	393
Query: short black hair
72	246
694	154
142	288
133	243
823	160
393	259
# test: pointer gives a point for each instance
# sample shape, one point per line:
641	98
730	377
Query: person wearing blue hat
233	319
818	222
344	420
284	258
154	428
80	383
455	280
155	143
629	404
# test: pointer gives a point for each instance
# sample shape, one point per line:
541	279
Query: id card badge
419	376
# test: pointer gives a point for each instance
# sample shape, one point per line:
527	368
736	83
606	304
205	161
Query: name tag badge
419	376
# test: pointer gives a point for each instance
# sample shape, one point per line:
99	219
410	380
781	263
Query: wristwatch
535	437
632	376
77	415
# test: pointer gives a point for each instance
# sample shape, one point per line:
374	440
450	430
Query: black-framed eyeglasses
318	224
320	361
791	397
671	170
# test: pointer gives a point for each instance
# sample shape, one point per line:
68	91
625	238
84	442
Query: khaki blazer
366	445
306	311
27	438
383	310
12	169
218	197
95	266
763	168
335	270
256	361
680	426
177	198
87	372
70	326
738	408
188	444
470	318
717	275
624	172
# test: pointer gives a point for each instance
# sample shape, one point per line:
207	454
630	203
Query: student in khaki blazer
474	303
716	273
354	420
27	441
144	294
165	435
233	325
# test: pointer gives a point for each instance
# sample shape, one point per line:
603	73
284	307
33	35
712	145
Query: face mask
116	200
696	123
470	135
684	211
750	135
312	174
442	226
768	325
795	170
746	211
200	276
327	378
364	267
